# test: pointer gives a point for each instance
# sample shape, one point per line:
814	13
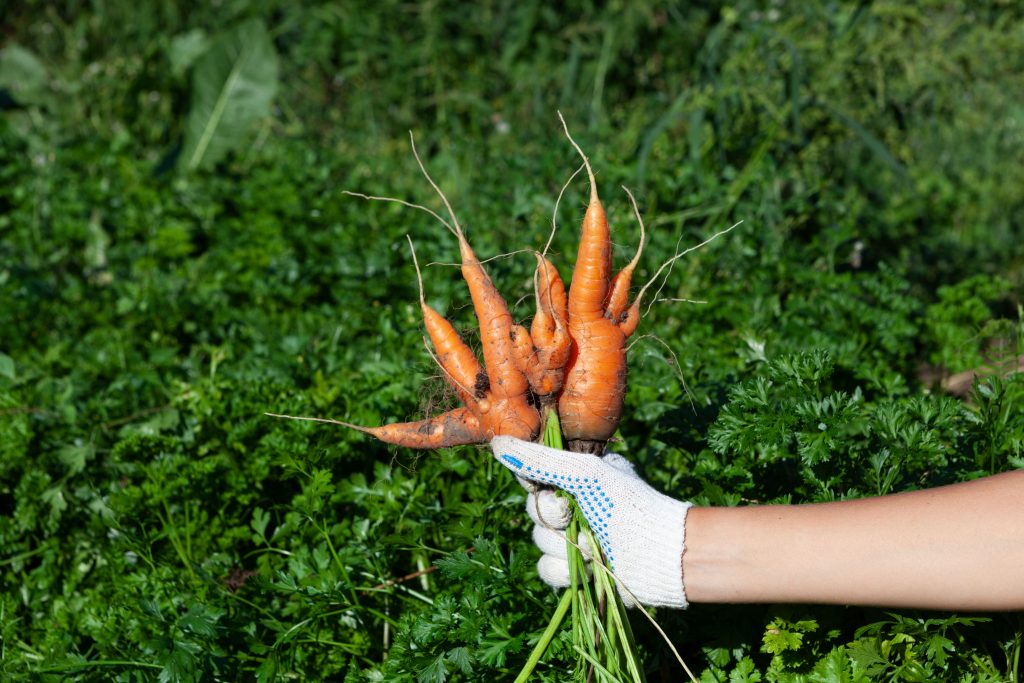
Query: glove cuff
661	545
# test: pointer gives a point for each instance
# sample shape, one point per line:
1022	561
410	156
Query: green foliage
846	442
963	320
23	74
155	525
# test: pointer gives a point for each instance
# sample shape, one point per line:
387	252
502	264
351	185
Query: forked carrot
453	355
542	353
496	395
573	355
509	410
590	406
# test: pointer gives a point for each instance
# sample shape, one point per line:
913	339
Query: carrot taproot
510	411
573	355
456	359
495	395
486	412
457	427
542	352
591	402
618	294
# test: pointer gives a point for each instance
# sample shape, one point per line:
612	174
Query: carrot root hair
678	256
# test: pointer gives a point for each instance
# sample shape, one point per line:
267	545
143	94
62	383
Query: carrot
541	354
618	294
572	358
590	406
453	355
490	408
457	427
496	395
509	410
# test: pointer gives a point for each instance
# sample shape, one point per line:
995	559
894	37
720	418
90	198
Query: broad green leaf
185	49
233	85
6	366
200	620
836	667
745	672
260	519
23	74
74	457
434	672
54	496
179	663
460	657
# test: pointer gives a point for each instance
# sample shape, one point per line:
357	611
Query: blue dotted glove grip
595	504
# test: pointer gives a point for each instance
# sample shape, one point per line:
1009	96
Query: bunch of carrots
561	381
572	358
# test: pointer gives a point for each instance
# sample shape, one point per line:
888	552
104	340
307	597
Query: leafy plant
154	526
233	85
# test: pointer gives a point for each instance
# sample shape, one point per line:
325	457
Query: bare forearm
953	547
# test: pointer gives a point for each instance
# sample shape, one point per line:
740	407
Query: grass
155	525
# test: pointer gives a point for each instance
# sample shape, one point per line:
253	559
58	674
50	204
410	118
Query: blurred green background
177	258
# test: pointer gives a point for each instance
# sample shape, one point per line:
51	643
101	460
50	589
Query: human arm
958	547
954	547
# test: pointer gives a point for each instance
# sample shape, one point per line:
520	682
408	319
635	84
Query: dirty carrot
458	361
543	352
508	407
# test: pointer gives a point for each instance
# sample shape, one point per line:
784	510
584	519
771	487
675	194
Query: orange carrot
590	406
618	294
574	353
497	400
457	427
541	354
508	409
453	355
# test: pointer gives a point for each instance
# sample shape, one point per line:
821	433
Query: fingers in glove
530	486
550	542
547	508
553	571
553	543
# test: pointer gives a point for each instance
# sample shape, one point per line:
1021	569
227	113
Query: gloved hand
641	531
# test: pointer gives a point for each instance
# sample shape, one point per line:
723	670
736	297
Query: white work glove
641	531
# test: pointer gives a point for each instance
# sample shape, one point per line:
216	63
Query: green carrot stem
600	626
545	638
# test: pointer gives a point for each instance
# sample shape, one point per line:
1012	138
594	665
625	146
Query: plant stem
601	634
545	638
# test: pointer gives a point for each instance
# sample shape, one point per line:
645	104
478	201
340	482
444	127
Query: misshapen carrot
458	361
496	394
574	352
542	353
507	409
456	427
591	403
